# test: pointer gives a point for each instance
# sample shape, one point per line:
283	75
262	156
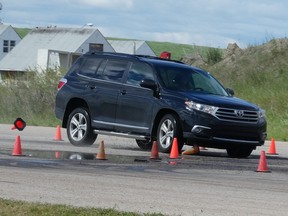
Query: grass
178	51
33	101
20	208
22	32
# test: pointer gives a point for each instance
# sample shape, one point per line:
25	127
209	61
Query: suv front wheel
168	129
79	129
239	151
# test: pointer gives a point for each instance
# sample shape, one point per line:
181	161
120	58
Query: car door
135	103
105	89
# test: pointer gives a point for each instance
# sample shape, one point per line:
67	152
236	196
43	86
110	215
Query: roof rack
131	55
158	58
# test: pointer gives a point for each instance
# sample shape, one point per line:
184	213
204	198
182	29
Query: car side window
139	71
89	67
114	70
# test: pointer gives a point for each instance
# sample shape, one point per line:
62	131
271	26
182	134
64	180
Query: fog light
198	128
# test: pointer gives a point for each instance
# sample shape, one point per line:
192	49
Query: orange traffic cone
101	153
174	154
272	149
262	167
58	136
154	151
17	150
57	154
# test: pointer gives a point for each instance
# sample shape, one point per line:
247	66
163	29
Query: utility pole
0	11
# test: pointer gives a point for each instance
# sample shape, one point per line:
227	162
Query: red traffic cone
101	153
272	149
262	167
17	150
174	154
154	151
58	136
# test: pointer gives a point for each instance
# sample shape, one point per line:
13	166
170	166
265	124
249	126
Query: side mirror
148	83
230	91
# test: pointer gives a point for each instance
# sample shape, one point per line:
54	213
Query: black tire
239	151
168	128
79	129
145	145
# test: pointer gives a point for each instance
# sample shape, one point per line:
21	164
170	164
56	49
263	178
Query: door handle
91	87
123	92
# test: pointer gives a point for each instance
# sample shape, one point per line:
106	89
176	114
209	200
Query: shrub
31	98
213	55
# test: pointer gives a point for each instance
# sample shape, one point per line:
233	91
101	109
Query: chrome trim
199	126
236	115
140	137
120	125
234	140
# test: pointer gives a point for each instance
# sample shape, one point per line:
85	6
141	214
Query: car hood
219	101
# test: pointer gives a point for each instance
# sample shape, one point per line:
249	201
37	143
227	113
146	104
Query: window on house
12	44
95	47
8	45
5	46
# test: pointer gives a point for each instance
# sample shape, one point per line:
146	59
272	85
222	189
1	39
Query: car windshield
189	79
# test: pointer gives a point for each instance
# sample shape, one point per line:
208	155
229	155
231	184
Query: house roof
131	47
3	28
24	55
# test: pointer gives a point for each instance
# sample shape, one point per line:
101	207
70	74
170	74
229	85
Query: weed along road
54	171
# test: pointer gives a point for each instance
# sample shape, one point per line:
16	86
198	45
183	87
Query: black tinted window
89	66
138	72
114	70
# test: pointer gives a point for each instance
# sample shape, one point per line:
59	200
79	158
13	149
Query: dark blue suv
150	98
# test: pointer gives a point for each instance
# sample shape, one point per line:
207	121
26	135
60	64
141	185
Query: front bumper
206	130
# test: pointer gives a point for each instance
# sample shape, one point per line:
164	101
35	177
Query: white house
53	47
132	47
8	39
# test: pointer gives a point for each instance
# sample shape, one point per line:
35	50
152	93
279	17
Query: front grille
234	115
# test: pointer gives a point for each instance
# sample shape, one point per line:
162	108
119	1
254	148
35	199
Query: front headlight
201	107
262	113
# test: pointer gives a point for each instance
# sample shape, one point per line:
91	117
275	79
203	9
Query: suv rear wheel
79	129
144	144
168	128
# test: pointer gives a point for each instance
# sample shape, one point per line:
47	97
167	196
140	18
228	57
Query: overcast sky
197	22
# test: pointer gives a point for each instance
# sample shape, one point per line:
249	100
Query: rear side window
89	67
114	70
138	72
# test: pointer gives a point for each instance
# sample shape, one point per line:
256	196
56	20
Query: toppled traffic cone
58	136
262	167
154	151
272	149
192	151
19	124
174	154
17	150
101	154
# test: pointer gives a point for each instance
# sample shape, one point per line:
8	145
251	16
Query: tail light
61	83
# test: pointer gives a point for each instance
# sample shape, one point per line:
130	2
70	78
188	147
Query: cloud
204	22
107	4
